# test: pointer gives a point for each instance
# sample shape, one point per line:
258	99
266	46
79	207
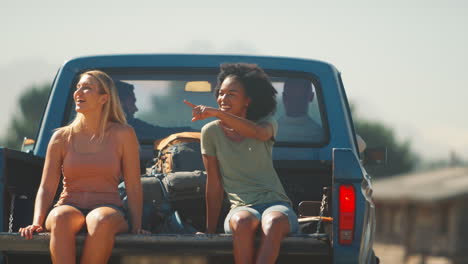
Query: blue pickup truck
316	156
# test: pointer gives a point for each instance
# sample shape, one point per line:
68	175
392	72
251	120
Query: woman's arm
131	174
241	125
214	193
48	187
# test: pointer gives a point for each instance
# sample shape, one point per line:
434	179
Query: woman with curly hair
237	153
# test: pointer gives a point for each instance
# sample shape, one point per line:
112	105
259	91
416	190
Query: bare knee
275	223
105	222
97	222
65	219
244	223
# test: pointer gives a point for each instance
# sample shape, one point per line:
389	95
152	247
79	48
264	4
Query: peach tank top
91	179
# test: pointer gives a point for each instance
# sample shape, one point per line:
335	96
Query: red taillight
347	208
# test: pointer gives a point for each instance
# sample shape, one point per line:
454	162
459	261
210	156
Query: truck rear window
153	104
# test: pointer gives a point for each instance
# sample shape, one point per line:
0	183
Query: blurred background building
426	213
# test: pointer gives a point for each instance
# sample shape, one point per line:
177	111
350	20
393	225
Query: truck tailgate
168	244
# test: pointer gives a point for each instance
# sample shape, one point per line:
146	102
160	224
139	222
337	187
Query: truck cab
315	150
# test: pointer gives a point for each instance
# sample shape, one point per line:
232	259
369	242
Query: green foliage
26	120
400	157
31	105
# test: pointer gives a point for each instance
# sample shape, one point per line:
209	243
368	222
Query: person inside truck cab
296	124
237	153
92	152
143	129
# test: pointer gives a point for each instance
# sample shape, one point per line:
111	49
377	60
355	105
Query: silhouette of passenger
142	129
296	125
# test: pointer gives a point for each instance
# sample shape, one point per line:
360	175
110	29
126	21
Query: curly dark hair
257	87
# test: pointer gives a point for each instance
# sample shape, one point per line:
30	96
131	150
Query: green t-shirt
246	167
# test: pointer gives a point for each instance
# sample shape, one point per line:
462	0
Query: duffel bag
186	193
152	191
185	185
155	205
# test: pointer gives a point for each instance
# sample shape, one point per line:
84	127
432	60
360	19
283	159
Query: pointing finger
189	104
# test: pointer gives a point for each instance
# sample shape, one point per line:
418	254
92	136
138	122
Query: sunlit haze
403	64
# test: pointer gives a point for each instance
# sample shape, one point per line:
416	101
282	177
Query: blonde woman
92	152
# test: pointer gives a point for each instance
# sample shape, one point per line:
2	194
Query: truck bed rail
169	244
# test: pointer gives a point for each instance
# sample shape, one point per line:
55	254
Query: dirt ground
394	254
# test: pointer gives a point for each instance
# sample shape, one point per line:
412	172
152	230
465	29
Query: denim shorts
86	211
261	210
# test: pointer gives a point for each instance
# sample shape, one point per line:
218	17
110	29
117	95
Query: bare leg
64	222
244	225
275	226
103	224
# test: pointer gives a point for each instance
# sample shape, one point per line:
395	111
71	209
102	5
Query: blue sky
403	62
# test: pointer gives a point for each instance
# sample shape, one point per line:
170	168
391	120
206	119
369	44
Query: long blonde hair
111	110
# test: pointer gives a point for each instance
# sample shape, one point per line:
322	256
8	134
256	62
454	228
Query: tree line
400	157
28	115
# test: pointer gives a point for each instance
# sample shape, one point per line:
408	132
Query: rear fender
347	169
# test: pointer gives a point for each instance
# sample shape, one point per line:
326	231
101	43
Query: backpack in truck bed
159	215
185	185
178	152
175	202
155	204
185	191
